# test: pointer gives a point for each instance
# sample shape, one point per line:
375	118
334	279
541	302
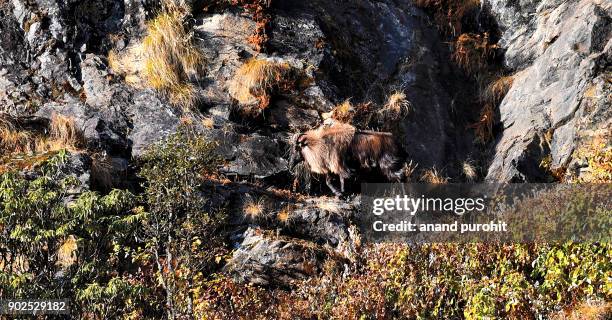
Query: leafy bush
116	254
598	157
52	247
183	238
432	281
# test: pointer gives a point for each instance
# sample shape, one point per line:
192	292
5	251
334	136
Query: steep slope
561	96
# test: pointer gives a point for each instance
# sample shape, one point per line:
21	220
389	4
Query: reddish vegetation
483	128
449	13
258	9
472	52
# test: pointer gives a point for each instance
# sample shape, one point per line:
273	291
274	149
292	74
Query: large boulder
561	52
294	240
224	43
152	120
269	260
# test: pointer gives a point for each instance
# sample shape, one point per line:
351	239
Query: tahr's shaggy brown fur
327	150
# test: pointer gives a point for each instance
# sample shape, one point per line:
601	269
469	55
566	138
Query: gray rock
251	156
152	121
79	166
103	130
269	253
96	85
564	47
85	118
223	38
286	116
268	260
325	221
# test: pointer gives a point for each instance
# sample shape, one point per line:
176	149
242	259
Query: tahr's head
300	142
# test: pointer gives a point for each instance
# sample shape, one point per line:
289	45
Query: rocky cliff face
53	60
560	52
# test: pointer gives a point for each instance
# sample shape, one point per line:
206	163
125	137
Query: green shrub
184	239
54	247
432	281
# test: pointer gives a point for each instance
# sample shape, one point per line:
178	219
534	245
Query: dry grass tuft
483	128
409	169
433	176
63	134
165	60
469	171
284	214
343	112
472	51
186	121
490	97
253	209
397	107
497	89
208	122
13	140
255	80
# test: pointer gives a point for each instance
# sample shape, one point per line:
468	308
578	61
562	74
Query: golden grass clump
497	89
253	209
208	122
13	140
343	112
186	120
433	176
472	51
256	78
165	60
469	171
284	214
396	107
63	134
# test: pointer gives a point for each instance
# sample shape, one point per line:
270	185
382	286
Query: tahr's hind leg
331	186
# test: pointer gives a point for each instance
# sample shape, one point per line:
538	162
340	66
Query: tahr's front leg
331	186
